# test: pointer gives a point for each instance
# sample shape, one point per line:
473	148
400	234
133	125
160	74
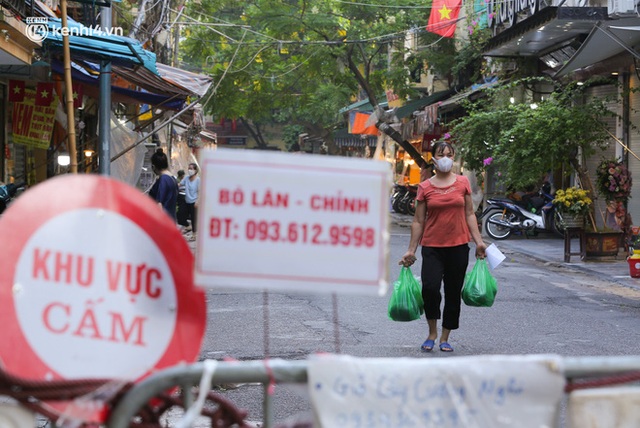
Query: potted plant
574	204
613	183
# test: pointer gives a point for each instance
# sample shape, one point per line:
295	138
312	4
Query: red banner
32	125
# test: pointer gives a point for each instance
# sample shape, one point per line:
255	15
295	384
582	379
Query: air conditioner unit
620	8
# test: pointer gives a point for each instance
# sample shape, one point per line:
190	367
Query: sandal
445	347
428	345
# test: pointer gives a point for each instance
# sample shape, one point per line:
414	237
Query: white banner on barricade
484	391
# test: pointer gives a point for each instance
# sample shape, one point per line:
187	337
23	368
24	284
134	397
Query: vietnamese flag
76	89
44	94
16	90
444	16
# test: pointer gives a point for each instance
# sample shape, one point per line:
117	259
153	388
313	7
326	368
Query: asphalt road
540	309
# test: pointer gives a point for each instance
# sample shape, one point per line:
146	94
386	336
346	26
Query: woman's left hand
481	250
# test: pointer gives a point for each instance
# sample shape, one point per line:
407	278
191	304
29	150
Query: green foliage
300	61
525	142
291	133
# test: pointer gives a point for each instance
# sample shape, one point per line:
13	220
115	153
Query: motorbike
8	193
403	198
502	217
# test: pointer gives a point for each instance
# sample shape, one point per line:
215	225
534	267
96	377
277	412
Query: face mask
191	172
444	164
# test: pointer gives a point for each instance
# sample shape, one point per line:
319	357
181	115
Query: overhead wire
175	116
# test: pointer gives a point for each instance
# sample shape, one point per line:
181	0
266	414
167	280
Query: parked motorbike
502	217
8	192
403	198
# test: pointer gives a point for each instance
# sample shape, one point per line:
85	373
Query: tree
299	62
523	142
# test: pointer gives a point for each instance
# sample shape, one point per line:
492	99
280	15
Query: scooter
502	217
8	193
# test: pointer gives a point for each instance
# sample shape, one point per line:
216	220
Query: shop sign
236	141
295	222
506	12
32	124
94	283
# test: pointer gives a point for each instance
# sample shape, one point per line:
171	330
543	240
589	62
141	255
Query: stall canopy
123	95
343	138
91	44
414	105
606	40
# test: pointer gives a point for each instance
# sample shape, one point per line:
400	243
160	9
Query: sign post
293	222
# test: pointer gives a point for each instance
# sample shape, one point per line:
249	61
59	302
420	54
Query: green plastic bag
406	300
480	287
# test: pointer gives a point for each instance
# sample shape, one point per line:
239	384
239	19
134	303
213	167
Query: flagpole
68	90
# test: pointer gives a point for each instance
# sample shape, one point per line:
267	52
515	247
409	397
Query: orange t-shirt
446	224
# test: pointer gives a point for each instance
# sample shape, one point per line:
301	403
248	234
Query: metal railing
610	370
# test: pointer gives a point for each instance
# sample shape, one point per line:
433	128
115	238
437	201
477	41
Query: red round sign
96	281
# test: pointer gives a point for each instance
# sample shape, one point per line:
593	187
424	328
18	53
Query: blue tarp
88	43
80	75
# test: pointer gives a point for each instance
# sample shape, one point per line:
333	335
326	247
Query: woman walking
444	235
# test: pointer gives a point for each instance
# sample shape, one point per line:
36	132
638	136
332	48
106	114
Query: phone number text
291	233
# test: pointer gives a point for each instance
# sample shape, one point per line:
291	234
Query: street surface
540	308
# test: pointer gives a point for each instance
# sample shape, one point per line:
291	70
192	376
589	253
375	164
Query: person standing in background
165	189
191	185
181	214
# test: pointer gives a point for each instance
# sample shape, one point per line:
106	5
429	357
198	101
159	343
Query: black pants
448	265
182	210
191	215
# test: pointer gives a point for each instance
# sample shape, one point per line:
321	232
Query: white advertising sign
467	392
313	223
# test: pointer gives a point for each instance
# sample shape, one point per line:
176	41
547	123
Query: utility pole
71	125
104	119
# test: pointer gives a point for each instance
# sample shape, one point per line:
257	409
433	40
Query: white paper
494	256
498	391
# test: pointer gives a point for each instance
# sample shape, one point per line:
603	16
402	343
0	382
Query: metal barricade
611	370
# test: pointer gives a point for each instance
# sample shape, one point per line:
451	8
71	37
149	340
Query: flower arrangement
613	181
573	201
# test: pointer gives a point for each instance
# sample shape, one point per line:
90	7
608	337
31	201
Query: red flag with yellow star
44	94
16	90
444	16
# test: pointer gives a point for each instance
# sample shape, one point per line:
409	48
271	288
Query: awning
168	81
606	40
549	27
454	101
342	138
94	45
127	96
363	105
411	106
211	136
198	84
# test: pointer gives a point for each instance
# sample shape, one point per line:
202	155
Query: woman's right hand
408	259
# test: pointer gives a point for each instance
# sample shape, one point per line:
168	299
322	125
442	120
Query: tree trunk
384	127
256	133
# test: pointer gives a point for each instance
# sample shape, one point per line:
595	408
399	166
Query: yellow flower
573	201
